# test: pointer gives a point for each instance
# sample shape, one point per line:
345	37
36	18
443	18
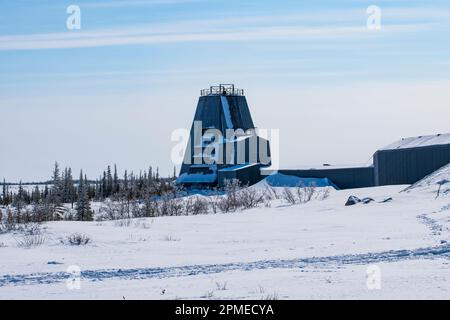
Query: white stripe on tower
226	112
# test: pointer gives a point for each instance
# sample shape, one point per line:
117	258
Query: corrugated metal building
403	162
410	159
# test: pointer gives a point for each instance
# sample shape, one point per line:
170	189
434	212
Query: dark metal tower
222	136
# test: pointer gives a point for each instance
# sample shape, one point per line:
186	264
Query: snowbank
282	180
431	182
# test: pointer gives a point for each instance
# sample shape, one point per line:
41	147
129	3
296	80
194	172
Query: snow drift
432	182
282	180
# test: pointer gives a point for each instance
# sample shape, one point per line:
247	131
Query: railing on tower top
223	89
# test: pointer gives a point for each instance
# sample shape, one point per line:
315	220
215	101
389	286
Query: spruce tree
56	194
98	189
109	181
64	186
83	206
36	195
125	181
115	181
4	194
70	188
150	175
19	199
104	186
56	178
132	186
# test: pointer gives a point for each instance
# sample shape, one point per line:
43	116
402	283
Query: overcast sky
113	91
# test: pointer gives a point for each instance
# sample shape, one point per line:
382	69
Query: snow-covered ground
318	250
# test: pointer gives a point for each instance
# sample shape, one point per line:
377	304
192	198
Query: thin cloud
340	24
136	3
120	37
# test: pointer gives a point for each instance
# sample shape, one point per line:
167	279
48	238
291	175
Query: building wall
407	166
249	174
210	112
343	178
240	112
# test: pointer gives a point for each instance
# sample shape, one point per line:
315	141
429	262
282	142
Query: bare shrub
113	210
14	224
139	238
3	227
30	240
272	296
289	196
170	238
300	194
214	200
199	206
259	290
25	215
30	229
225	205
230	202
123	222
144	224
174	207
232	188
188	204
308	193
9	223
170	206
236	197
125	209
10	218
195	205
305	194
323	194
35	213
250	198
271	193
77	239
136	211
221	286
150	208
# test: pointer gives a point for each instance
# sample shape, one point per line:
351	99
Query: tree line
50	202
